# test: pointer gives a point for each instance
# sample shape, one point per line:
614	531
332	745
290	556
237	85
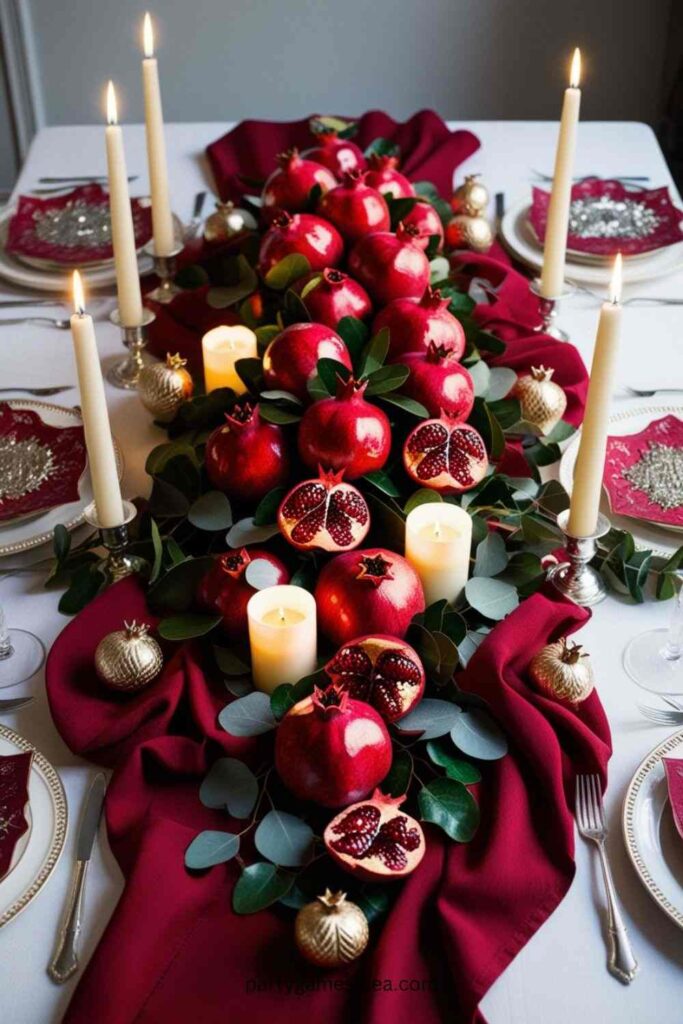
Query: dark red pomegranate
391	266
413	324
332	749
304	233
384	176
446	455
439	381
246	457
345	432
355	208
374	840
333	296
225	591
381	670
339	155
290	360
289	187
370	590
424	217
326	514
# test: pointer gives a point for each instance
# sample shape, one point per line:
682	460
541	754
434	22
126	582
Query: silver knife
65	958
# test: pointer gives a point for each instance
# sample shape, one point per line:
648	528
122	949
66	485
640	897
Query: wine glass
21	654
654	659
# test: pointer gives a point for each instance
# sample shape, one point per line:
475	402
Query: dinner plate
47	835
653	844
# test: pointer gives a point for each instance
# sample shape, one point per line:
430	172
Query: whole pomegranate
289	187
246	457
326	514
339	155
439	381
332	749
334	296
374	840
345	432
371	589
381	670
424	217
292	356
355	208
413	324
446	455
391	266
226	592
304	233
384	176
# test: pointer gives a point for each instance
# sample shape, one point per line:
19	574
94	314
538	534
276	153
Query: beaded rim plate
48	833
645	805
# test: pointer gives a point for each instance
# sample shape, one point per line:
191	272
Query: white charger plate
652	841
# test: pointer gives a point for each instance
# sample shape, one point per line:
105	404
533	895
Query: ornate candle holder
126	373
165	268
118	561
548	310
577	579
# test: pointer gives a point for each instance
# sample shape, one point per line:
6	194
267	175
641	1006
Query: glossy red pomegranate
226	592
446	455
413	324
371	590
381	670
384	176
332	749
424	217
333	296
304	233
325	514
292	356
289	187
391	266
439	381
374	840
247	457
355	208
339	155
345	432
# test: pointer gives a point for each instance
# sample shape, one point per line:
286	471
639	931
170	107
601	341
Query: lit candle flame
615	282
112	111
79	298
281	614
148	36
575	71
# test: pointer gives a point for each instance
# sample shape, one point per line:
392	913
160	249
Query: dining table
561	974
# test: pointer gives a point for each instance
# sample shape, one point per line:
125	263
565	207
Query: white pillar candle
438	541
122	229
282	636
555	248
221	348
101	457
162	218
590	461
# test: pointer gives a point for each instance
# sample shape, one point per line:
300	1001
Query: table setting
340	574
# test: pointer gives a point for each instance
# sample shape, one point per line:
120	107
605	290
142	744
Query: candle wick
80	311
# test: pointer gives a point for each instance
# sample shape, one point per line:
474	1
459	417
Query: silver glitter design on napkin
24	466
659	473
78	224
605	217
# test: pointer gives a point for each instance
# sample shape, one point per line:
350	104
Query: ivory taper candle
590	461
555	247
282	635
101	457
162	217
438	541
122	229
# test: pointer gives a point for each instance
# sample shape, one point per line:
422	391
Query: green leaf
387	378
261	574
224	296
424	496
407	404
375	353
501	380
439	268
229	663
493	599
209	848
248	716
400	208
383	482
287	271
355	334
441	753
187	626
211	512
397	781
246	532
159	457
85	584
491	557
231	784
167	501
448	804
175	590
522	567
310	286
635	573
469	646
61	542
294	309
284	839
259	886
481	376
306	576
373	900
282	699
266	510
477	735
277	395
272	413
329	371
158	551
431	718
250	372
382	147
266	334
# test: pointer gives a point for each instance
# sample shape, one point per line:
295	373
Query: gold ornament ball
543	402
227	222
128	658
562	671
470	198
163	387
464	232
331	930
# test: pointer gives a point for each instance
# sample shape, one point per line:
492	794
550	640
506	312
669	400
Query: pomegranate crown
408	232
542	373
383	162
241	416
233	563
282	219
350	388
135	629
334	277
175	361
353	178
289	157
431	299
332	900
571	652
374	569
438	353
332	700
330	477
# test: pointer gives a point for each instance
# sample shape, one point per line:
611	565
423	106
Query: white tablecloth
560	976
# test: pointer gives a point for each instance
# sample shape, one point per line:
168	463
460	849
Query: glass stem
673	648
6	649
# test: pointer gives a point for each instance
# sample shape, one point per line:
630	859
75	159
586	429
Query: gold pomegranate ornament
470	198
466	232
563	671
163	387
128	658
331	930
227	222
543	401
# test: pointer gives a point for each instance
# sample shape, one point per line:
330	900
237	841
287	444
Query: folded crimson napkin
174	950
673	767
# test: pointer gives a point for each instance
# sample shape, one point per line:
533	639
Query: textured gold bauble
470	198
331	931
163	387
562	671
465	232
543	401
224	224
128	658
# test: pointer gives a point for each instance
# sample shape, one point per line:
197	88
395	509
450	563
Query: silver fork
62	325
661	717
6	706
639	393
39	391
590	818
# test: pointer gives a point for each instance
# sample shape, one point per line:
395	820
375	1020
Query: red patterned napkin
635	461
14	774
673	767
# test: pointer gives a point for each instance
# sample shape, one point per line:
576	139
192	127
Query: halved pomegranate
446	455
326	514
381	670
374	840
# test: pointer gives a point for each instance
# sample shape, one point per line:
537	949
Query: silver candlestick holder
575	578
165	268
118	561
548	309
125	373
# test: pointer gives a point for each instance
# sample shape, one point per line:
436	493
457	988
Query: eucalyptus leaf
448	804
259	886
439	268
272	413
61	542
175	590
261	574
469	646
246	532
481	377
477	735
266	510
282	699
501	380
287	271
373	900
209	848
229	663
232	784
85	584
431	718
211	512
248	716
492	598
397	781
441	752
284	839
187	625
277	395
424	496
158	551
491	557
239	686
